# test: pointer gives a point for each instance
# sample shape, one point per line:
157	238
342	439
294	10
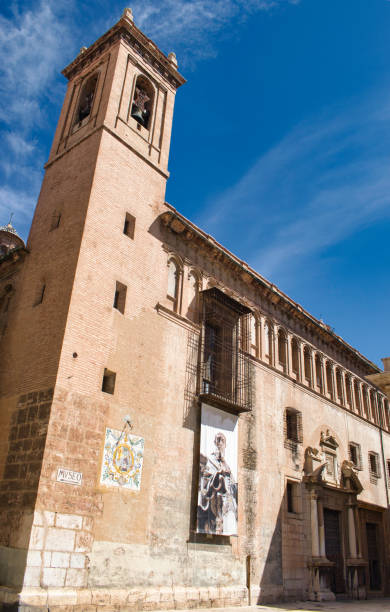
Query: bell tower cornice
127	31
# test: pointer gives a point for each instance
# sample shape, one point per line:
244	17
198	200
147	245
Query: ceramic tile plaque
122	460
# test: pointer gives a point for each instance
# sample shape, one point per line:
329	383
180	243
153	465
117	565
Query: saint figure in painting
217	499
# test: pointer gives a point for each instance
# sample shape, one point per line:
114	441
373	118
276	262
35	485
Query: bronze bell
137	114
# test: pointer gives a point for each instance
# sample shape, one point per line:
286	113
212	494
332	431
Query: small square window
120	297
292	497
129	226
373	462
108	385
355	455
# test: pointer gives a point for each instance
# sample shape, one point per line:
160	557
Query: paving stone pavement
376	605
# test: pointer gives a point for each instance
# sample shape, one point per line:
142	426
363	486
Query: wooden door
333	548
374	565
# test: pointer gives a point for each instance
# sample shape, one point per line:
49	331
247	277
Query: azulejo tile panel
122	460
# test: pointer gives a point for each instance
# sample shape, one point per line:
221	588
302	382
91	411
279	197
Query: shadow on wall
271	581
19	484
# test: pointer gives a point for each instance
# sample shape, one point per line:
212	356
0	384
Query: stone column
346	382
315	548
357	530
301	350
334	381
311	354
261	338
275	345
321	528
289	354
351	532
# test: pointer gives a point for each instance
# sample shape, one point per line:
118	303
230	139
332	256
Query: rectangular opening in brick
129	226
55	221
120	297
108	384
40	294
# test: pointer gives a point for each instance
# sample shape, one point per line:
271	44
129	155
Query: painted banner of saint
217	494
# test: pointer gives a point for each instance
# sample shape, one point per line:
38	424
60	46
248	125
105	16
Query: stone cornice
141	44
190	232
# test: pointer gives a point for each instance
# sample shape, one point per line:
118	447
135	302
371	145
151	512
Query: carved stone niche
329	447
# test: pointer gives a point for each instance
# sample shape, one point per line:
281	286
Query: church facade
175	430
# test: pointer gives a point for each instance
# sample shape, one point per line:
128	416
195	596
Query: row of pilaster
282	350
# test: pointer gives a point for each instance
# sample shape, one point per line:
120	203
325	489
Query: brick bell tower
90	244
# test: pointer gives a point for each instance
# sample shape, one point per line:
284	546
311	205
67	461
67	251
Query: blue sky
281	137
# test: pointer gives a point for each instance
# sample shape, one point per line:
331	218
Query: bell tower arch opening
143	101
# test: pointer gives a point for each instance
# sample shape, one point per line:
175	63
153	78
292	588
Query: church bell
137	114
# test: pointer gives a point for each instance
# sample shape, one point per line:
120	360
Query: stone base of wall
98	600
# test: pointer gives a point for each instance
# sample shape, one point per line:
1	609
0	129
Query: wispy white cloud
32	45
325	180
34	40
189	25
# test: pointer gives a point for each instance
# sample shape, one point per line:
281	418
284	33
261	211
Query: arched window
282	349
142	105
374	407
86	99
339	386
193	297
254	335
365	403
295	356
387	413
318	366
357	397
348	389
329	379
173	283
268	342
307	364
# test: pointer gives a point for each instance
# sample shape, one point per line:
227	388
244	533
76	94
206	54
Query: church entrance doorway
333	549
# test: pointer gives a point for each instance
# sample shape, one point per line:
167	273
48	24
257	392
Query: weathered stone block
61	597
37	537
48	518
34	558
77	560
84	596
83	542
34	597
60	539
38	518
53	576
76	578
100	597
60	559
69	521
32	576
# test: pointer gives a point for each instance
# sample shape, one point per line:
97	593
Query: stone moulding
159	598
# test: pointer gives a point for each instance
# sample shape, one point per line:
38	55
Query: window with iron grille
225	367
374	466
293	434
355	455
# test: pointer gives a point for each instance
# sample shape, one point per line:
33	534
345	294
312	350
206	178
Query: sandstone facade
103	327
